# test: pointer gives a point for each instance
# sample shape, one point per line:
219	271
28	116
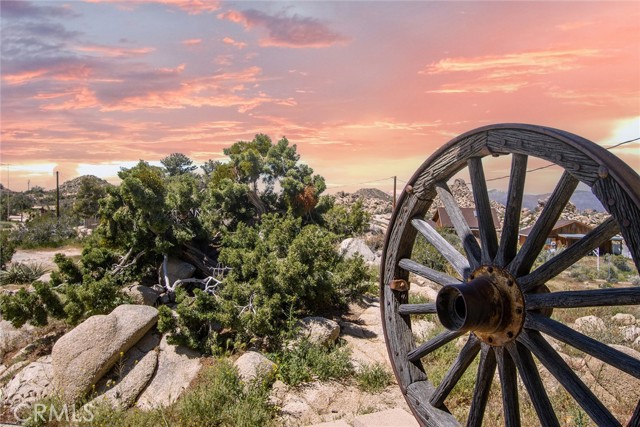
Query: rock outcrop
318	330
253	365
177	367
82	356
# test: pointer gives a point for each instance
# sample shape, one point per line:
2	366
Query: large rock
130	375
31	384
12	338
81	357
142	294
178	270
624	387
177	367
318	330
252	365
589	325
630	333
624	319
355	246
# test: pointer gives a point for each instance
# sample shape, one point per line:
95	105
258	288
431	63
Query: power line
553	164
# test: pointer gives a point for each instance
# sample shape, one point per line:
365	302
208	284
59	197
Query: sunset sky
366	90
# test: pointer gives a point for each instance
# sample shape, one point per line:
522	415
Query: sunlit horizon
366	90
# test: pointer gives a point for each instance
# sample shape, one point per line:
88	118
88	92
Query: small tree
86	203
178	164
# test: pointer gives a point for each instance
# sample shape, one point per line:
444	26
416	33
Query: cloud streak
286	31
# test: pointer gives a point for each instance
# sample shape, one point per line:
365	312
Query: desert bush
7	248
620	262
45	230
581	273
373	378
33	307
22	273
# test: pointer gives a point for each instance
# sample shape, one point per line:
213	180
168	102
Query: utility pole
57	194
394	192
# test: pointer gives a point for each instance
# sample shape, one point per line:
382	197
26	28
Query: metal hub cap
490	304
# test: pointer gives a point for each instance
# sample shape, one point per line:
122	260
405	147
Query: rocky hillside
70	188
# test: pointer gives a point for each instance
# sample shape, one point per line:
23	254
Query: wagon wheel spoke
565	376
565	259
406	309
588	298
584	343
487	229
469	242
509	236
635	418
525	258
532	382
509	385
486	369
433	344
441	279
455	372
455	258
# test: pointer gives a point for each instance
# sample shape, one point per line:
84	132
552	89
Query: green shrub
620	262
304	361
373	378
33	307
22	273
347	221
7	248
582	273
426	254
45	230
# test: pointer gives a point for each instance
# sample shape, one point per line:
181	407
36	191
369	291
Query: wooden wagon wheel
500	301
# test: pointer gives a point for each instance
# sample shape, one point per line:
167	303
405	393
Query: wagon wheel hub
490	304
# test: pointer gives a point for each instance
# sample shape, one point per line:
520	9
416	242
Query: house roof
441	217
559	224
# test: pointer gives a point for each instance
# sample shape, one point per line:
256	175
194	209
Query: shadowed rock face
84	355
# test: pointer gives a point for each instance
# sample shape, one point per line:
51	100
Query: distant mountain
581	199
374	193
70	188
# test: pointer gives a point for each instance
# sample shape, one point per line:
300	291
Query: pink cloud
192	42
114	51
286	31
192	7
232	42
507	73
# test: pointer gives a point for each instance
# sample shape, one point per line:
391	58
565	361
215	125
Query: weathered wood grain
484	378
433	344
565	259
547	145
561	332
418	395
587	298
486	227
532	382
567	378
469	242
396	326
509	236
435	276
455	258
413	309
522	263
509	386
455	372
620	205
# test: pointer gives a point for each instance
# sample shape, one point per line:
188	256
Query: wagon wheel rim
508	346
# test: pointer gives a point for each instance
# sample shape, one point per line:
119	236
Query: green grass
373	378
305	362
219	399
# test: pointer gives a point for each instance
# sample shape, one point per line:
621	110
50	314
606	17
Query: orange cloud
286	31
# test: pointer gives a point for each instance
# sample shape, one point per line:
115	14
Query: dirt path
43	256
